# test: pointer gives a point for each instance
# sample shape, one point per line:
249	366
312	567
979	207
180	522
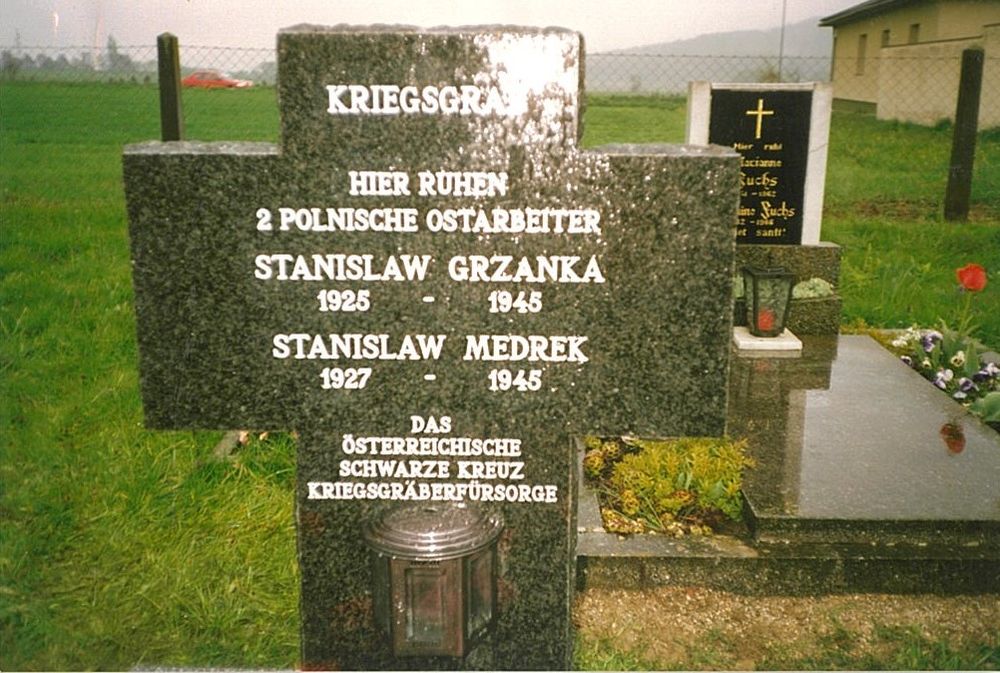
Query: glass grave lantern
768	293
434	569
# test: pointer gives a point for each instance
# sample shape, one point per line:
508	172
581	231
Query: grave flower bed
678	487
951	358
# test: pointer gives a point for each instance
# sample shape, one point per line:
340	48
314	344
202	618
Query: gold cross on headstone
759	112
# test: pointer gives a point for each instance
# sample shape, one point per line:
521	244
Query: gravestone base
790	571
815	315
786	342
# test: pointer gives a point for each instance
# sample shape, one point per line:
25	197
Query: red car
213	79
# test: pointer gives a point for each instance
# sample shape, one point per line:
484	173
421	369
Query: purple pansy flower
989	371
943	377
965	386
929	340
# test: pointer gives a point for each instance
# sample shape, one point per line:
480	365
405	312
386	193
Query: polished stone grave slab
863	459
854	490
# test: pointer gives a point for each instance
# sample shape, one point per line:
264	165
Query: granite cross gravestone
781	131
438	290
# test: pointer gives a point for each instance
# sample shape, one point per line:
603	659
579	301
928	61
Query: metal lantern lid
767	272
432	531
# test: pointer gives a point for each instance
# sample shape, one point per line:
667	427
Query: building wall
857	76
919	83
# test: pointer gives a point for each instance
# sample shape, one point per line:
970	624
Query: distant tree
85	61
265	73
116	61
769	74
9	65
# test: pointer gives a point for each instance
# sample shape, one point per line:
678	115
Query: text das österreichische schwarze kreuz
414	467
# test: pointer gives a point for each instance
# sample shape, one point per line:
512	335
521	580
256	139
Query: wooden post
171	109
963	144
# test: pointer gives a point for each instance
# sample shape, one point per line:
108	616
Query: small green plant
608	654
678	486
988	407
812	289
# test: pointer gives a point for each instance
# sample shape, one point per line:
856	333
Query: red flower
765	320
971	277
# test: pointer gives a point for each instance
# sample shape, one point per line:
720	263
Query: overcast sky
606	24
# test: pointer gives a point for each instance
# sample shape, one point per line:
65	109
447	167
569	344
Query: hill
737	56
802	39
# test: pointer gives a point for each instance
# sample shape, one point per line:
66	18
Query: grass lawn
121	547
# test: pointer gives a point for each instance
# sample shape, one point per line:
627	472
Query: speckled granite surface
640	348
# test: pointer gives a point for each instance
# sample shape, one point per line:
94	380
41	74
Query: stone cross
437	288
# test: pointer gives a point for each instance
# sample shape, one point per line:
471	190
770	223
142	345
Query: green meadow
121	547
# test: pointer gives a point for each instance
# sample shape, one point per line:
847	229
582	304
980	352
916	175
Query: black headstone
438	289
770	129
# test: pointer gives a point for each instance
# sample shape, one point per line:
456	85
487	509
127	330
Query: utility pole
781	45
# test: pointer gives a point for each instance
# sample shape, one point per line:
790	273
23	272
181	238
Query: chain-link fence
669	74
905	85
112	63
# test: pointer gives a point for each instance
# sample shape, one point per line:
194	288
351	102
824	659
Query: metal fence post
963	144
171	109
